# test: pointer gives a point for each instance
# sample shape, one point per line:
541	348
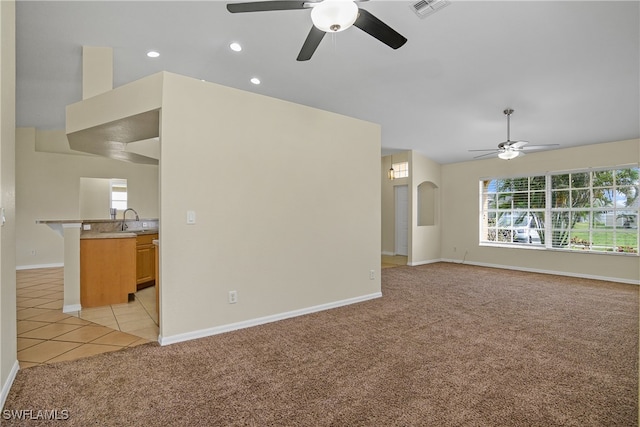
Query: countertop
87	221
116	234
104	228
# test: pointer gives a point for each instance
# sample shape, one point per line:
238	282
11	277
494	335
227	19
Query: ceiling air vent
424	8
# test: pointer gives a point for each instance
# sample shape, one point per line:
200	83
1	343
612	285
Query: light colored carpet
447	345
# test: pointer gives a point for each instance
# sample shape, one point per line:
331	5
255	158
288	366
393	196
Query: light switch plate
191	217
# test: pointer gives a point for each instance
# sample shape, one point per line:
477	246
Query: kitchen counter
88	221
92	227
116	234
115	264
74	231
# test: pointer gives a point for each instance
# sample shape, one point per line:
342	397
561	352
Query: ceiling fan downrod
508	112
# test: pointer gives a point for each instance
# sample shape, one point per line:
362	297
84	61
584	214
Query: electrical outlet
86	227
372	274
145	225
233	297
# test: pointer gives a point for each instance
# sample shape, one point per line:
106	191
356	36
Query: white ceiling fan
508	149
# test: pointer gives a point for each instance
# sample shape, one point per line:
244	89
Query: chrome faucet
124	214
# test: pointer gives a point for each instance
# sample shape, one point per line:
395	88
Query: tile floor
393	261
47	335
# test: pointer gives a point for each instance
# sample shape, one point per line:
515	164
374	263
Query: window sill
543	248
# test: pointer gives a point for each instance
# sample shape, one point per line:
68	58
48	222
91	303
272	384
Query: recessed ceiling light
235	47
153	54
255	80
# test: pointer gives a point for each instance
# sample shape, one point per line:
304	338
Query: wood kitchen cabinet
145	260
107	271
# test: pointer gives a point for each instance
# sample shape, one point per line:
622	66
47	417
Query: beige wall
48	187
95	198
8	359
424	240
287	203
460	219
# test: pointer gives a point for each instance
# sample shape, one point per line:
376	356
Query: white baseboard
431	261
34	266
536	270
8	383
388	253
71	308
262	320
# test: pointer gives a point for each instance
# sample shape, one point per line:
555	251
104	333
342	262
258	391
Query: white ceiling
569	69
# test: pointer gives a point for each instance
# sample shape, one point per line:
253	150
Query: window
514	210
400	170
594	211
118	194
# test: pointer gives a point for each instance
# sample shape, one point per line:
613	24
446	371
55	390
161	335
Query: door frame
401	220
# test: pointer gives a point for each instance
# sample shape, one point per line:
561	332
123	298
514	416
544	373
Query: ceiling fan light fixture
508	154
333	16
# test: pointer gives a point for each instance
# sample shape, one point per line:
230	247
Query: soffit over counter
121	124
112	139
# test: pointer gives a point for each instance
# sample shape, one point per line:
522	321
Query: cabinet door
145	264
145	258
107	271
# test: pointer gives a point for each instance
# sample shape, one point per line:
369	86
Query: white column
71	233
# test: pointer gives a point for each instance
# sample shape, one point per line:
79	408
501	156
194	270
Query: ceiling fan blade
518	144
263	6
533	147
378	29
488	149
310	44
483	155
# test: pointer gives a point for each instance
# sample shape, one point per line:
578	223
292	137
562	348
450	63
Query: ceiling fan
508	149
328	16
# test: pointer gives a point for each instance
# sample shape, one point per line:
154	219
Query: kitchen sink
142	231
135	231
